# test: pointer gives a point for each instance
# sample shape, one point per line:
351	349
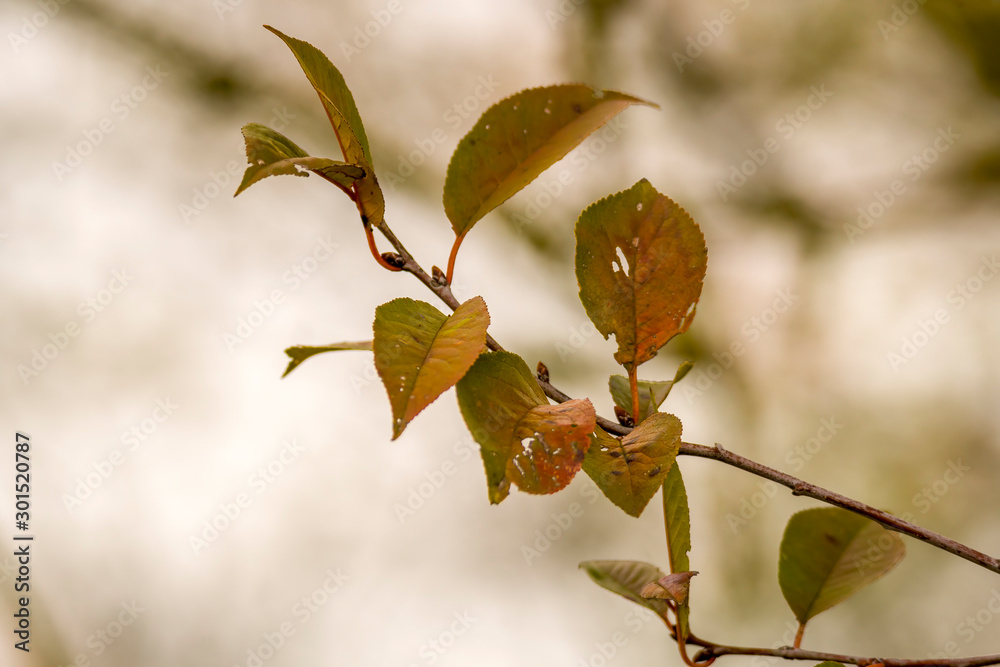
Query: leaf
677	521
517	139
549	446
338	102
672	587
626	578
651	394
270	153
640	262
420	352
300	353
631	470
523	438
829	554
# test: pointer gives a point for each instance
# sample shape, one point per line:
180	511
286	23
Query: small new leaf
420	352
630	471
673	587
300	353
651	394
827	555
640	262
270	153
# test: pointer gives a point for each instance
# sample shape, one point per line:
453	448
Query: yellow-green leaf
677	521
270	153
420	352
338	102
517	139
828	554
300	353
522	438
640	262
630	470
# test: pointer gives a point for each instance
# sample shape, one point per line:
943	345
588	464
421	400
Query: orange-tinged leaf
517	139
523	439
338	102
640	262
549	445
420	352
630	470
673	587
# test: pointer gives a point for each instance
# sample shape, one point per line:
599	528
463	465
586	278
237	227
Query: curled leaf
270	153
673	587
300	353
651	394
627	578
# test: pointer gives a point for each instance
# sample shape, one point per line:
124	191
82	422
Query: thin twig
717	453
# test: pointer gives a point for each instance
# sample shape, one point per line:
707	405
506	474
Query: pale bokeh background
194	274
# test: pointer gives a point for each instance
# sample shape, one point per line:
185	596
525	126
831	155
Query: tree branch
717	453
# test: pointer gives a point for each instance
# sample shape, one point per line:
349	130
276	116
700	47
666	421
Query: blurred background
192	508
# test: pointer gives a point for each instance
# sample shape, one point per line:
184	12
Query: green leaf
627	578
420	352
517	139
640	262
338	102
523	439
829	554
300	353
270	153
631	470
651	394
677	521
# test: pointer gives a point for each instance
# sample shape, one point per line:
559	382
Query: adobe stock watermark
957	298
922	501
559	524
265	307
900	16
230	510
34	23
701	380
463	450
970	627
302	611
131	439
434	648
786	127
453	117
59	340
579	160
605	651
696	44
219	182
101	640
914	167
751	505
121	108
364	34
